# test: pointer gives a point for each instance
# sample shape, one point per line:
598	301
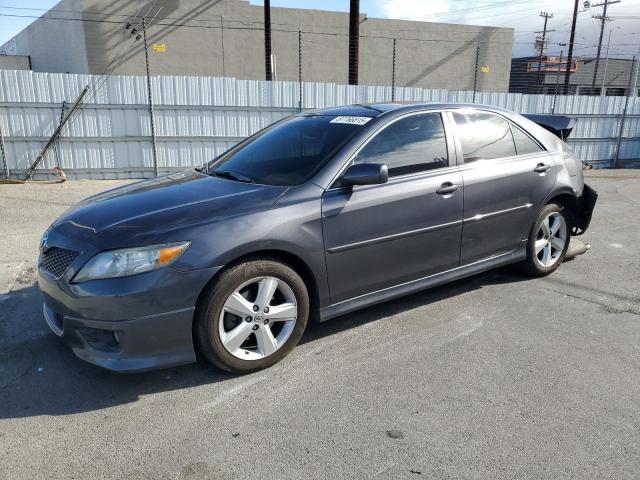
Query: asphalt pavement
498	376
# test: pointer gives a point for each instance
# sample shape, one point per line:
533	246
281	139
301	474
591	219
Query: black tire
531	266
207	315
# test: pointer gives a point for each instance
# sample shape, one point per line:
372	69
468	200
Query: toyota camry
320	214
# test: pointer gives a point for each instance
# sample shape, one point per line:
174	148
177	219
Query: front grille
56	260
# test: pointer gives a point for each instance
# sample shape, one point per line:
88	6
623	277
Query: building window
589	90
616	92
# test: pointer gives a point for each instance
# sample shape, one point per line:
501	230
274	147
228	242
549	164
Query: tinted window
412	144
484	136
289	153
524	143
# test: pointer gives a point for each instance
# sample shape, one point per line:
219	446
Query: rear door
378	236
507	176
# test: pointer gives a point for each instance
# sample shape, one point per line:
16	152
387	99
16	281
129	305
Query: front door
378	236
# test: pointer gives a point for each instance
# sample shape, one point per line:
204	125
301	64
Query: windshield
289	153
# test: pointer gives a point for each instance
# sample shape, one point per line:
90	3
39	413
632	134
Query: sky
522	15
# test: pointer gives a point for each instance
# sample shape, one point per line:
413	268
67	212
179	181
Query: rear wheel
548	241
252	316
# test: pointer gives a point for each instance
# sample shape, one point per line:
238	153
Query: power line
218	27
471	9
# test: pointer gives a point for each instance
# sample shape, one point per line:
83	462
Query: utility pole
267	41
541	43
603	20
570	54
354	40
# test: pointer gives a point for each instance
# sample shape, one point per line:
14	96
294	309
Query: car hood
153	206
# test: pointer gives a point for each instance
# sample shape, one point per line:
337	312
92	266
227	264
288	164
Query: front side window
291	152
412	144
484	136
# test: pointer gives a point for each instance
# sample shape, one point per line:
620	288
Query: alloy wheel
258	318
551	239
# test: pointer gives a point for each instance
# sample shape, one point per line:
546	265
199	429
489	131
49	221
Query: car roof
374	110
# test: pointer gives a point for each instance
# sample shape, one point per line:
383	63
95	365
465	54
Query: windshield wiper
232	176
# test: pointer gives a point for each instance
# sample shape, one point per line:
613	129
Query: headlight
130	261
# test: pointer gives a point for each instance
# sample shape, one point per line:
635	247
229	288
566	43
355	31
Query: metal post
475	74
555	93
267	41
154	149
624	114
606	64
56	133
55	145
224	74
634	90
393	73
300	69
5	164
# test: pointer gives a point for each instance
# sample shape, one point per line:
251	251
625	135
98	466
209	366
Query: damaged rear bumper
584	210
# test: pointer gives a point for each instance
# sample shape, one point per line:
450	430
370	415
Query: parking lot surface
496	376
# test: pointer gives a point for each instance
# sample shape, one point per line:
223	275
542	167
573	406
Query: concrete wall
230	42
14	62
54	45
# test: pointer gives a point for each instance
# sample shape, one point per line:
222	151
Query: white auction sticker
351	120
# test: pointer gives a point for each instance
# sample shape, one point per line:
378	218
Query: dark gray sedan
318	215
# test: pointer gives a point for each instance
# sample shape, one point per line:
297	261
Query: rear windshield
291	152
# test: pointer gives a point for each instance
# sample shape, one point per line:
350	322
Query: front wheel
252	315
548	241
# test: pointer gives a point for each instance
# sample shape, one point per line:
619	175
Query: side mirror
366	174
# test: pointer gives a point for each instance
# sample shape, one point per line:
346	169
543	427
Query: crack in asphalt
609	308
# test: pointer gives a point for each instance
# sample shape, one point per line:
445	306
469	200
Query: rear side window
412	144
484	136
524	144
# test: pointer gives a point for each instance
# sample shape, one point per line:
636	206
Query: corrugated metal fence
198	118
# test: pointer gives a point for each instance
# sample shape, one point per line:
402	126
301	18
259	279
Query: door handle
541	168
447	188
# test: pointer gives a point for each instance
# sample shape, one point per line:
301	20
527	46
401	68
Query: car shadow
39	375
387	309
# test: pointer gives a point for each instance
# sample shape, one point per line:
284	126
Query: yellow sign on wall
159	47
485	69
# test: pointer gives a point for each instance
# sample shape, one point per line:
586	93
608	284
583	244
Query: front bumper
127	324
